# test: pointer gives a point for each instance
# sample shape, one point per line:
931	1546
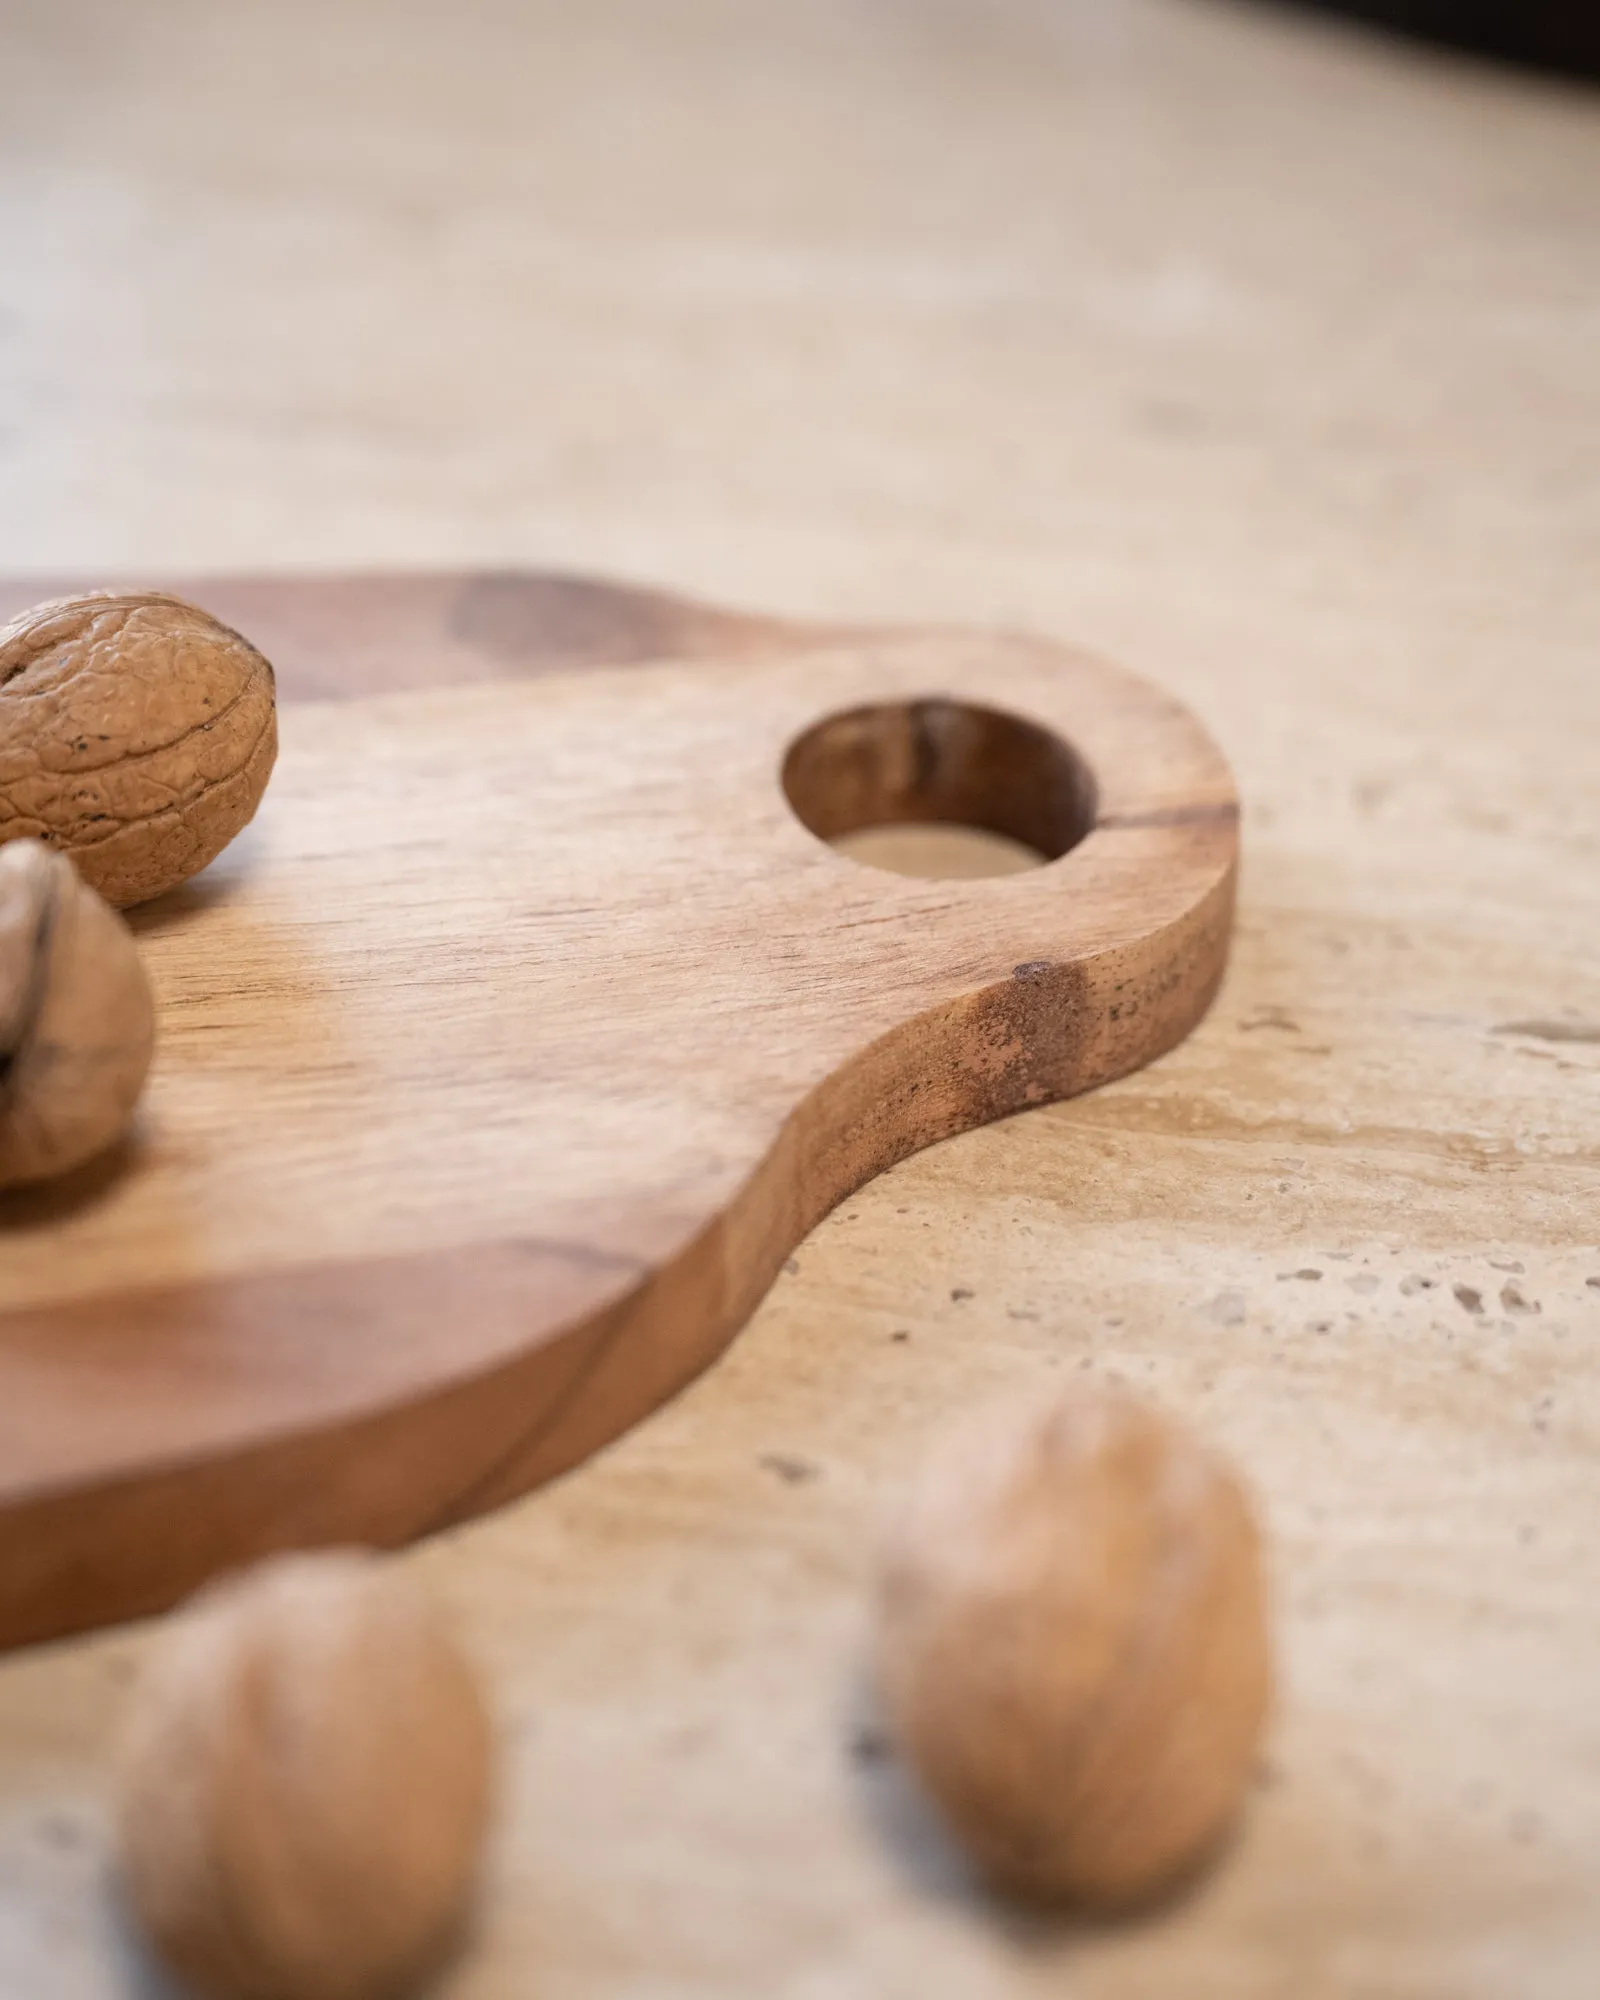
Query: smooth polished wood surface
1257	355
525	1034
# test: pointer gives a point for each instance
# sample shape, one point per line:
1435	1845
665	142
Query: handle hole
939	788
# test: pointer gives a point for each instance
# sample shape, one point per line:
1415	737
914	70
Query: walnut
304	1785
1073	1645
77	1024
136	734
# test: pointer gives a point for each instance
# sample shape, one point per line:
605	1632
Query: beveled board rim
89	1549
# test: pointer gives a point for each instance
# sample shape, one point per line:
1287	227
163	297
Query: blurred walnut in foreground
305	1785
1074	1646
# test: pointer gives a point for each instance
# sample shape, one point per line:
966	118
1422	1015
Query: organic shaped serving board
531	1026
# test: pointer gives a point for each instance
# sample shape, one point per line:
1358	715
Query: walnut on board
137	734
77	1022
304	1784
1073	1645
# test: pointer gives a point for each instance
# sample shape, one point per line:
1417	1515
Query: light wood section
1255	354
523	1038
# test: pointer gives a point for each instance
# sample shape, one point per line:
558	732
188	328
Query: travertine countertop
1258	355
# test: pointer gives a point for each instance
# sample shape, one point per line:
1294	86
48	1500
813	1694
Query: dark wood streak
337	638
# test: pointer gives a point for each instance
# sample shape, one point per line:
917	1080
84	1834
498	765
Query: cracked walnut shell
137	734
77	1023
305	1784
1073	1645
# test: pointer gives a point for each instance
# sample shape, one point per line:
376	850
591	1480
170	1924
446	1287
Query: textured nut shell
137	734
77	1023
305	1785
1074	1646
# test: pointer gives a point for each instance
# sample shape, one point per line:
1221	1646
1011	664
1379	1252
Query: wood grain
530	1029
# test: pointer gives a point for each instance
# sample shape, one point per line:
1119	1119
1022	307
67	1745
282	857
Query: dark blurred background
1559	35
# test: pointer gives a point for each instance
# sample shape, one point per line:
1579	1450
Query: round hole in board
939	788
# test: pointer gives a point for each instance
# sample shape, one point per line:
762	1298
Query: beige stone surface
1259	355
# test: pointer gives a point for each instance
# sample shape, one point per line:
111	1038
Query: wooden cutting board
510	1052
